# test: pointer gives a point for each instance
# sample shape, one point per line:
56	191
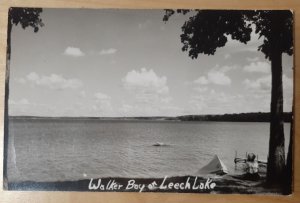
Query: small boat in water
215	166
159	144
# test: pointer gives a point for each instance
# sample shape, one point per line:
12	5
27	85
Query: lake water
56	149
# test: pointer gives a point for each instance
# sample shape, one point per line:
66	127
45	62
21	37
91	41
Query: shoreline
229	117
226	184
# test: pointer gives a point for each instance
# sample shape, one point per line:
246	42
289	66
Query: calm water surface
57	149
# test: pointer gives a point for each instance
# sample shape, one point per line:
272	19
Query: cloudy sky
130	63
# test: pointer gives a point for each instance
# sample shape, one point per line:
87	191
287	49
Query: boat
159	144
215	166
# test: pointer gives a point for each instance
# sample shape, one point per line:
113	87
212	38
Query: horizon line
140	116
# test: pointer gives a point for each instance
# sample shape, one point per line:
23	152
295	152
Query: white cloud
26	107
259	90
224	69
264	83
197	104
252	59
100	96
215	102
201	80
217	77
261	84
145	81
227	56
73	51
149	93
201	89
220	102
52	81
235	46
108	51
259	66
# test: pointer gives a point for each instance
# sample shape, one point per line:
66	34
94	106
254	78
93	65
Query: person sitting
251	168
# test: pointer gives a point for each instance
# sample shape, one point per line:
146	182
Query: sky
111	63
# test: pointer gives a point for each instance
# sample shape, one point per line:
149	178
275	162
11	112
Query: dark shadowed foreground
189	184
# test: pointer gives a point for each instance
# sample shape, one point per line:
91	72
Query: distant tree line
239	117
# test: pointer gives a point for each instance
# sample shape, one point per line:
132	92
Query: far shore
236	117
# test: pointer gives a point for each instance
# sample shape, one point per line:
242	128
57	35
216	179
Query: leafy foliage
276	28
27	17
207	30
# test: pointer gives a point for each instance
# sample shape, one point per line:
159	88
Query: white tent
215	166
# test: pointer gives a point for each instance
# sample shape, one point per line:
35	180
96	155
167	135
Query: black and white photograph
149	100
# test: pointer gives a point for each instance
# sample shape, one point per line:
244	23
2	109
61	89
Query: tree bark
276	158
7	71
288	181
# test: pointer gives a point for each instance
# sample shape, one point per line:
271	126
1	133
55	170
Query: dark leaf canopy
27	17
277	29
206	30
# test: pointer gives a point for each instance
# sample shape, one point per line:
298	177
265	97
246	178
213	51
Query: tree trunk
276	158
288	181
7	71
